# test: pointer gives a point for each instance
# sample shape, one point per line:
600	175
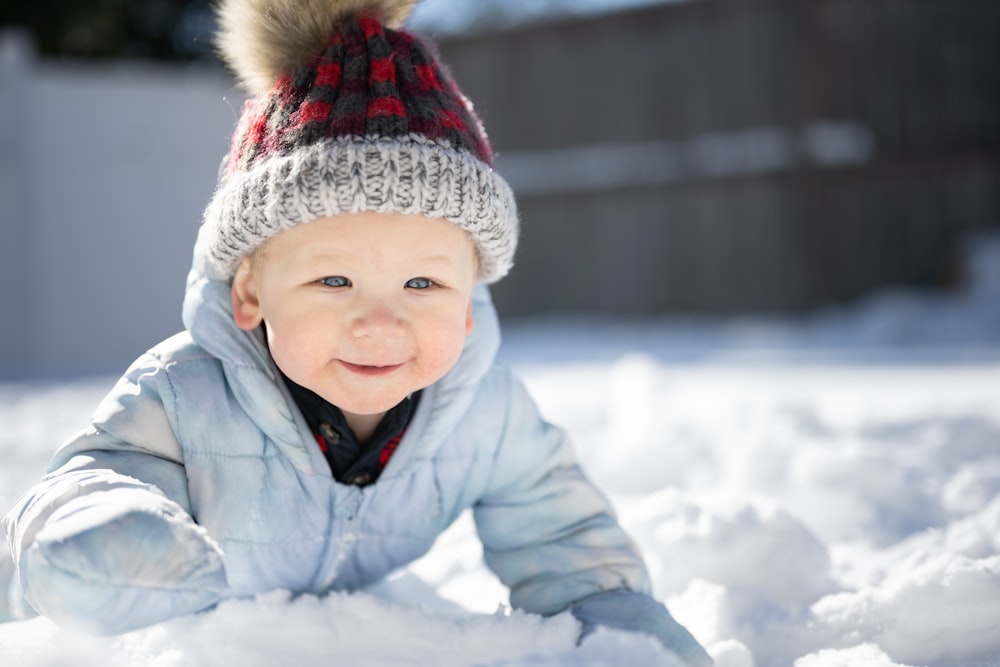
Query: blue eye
419	283
335	281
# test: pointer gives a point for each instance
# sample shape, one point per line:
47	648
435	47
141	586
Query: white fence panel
104	172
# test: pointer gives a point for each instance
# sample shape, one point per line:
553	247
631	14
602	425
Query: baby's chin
367	405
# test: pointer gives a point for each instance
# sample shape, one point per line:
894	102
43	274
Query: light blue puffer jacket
198	480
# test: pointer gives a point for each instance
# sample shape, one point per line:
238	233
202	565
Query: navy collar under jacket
350	461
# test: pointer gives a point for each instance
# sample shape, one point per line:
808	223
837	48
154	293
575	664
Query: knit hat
348	113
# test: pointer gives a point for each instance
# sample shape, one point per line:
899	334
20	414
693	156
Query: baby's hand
637	612
121	559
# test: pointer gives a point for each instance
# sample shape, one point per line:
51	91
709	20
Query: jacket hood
253	377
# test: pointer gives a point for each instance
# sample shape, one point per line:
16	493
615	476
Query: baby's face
363	308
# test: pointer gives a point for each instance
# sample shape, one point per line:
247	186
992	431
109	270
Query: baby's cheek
294	356
444	350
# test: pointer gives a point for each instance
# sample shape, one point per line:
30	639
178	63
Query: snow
821	491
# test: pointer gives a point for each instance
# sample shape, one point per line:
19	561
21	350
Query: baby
333	403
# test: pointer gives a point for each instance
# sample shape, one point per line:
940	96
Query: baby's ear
470	323
246	304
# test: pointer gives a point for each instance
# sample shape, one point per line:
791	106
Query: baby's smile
371	370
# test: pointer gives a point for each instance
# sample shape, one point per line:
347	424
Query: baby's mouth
371	370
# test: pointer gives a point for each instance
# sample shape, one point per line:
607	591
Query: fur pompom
261	40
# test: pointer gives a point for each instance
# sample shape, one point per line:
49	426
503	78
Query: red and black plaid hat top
369	81
369	120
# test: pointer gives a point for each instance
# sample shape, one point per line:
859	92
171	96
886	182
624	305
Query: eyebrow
439	258
309	258
324	256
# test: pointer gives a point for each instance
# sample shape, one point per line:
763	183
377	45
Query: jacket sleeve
552	537
105	541
637	612
547	532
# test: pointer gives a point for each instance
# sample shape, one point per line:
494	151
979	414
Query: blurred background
708	158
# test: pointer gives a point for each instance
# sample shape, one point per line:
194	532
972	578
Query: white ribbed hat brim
411	175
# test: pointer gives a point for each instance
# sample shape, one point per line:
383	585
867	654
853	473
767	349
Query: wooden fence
741	155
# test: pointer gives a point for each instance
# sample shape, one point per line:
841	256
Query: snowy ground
819	493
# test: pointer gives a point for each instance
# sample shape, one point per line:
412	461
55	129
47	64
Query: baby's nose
378	322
